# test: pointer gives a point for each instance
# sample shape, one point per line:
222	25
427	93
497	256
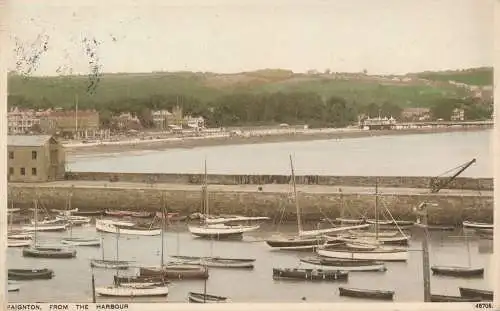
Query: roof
27	140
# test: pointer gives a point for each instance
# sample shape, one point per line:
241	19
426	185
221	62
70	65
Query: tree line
239	109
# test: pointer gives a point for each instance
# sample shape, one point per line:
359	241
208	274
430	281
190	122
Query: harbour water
72	280
400	155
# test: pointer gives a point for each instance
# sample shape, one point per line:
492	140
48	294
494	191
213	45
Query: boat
113	227
485	295
13	287
64	211
379	253
48	221
49	252
436	227
457	271
115	213
366	293
142	214
110	263
55	227
179	271
19	235
88	213
445	298
380	222
217	231
476	225
350	221
360	246
232	219
74	220
18	243
81	242
381	234
351	266
373	240
138	280
129	291
309	274
30	274
205	298
217	262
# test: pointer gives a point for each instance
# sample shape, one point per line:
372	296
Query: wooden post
425	253
93	288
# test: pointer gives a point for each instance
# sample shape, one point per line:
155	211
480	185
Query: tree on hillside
443	108
339	113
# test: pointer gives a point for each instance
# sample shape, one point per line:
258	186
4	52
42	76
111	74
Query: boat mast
422	213
162	228
299	220
207	213
341	207
376	209
36	223
102	246
69	209
117	241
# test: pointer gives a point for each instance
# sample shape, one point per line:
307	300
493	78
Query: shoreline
311	135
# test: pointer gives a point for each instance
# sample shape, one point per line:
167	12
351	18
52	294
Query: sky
227	36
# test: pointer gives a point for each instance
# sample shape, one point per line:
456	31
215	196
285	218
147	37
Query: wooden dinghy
74	220
476	225
371	240
179	272
142	214
366	293
485	295
343	265
205	298
309	274
115	213
19	235
81	242
382	234
217	262
110	264
13	287
458	271
115	227
128	291
88	213
140	280
55	227
30	274
49	252
379	254
360	246
220	231
18	243
446	298
380	222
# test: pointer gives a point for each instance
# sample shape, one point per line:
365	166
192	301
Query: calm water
72	281
407	155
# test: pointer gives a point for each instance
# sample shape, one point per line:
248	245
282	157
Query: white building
21	121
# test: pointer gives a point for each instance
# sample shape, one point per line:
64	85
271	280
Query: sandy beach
256	137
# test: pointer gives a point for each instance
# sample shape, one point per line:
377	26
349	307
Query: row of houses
424	114
86	123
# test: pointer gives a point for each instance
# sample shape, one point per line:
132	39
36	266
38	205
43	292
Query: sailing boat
109	263
342	219
77	241
372	251
16	234
218	231
136	290
45	251
50	225
16	242
460	271
305	240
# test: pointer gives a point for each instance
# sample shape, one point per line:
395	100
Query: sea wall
451	209
480	184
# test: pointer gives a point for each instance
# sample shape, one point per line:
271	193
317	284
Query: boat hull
477	225
366	294
205	298
46	228
309	274
49	252
464	272
378	255
125	291
30	274
18	243
220	231
485	295
81	242
445	298
113	227
361	268
180	272
110	264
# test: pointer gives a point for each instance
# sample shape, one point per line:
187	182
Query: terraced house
35	158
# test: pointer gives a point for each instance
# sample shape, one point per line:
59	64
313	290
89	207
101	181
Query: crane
437	185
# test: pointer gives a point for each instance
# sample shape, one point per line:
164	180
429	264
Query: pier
322	198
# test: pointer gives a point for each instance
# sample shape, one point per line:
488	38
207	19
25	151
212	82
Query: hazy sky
383	36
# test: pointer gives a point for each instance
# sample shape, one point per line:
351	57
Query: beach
248	137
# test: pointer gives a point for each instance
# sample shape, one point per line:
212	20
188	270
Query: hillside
418	89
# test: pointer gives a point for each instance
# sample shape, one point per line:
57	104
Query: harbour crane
437	185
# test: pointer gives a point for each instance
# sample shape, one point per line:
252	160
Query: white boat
74	220
216	262
19	235
45	227
379	254
331	230
81	242
18	243
476	225
364	268
13	210
129	291
380	222
220	220
48	221
360	246
384	234
109	264
111	227
65	211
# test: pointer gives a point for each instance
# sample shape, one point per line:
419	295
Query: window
33	155
33	171
11	171
23	171
11	155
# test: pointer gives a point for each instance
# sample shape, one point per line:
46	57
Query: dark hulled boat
445	298
366	293
309	274
205	298
30	274
485	295
179	272
156	280
88	213
325	261
465	272
344	265
49	252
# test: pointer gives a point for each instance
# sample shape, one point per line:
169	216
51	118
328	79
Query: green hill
475	76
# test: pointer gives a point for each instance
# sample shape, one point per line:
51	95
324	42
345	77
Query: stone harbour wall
451	209
480	184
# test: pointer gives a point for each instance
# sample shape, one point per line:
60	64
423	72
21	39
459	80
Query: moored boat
88	213
81	242
30	274
49	252
350	221
113	227
19	235
150	280
351	266
446	298
205	298
309	274
74	220
18	243
217	262
457	271
380	253
220	232
110	264
180	272
129	291
55	227
115	213
142	214
476	225
13	287
485	295
359	246
366	293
